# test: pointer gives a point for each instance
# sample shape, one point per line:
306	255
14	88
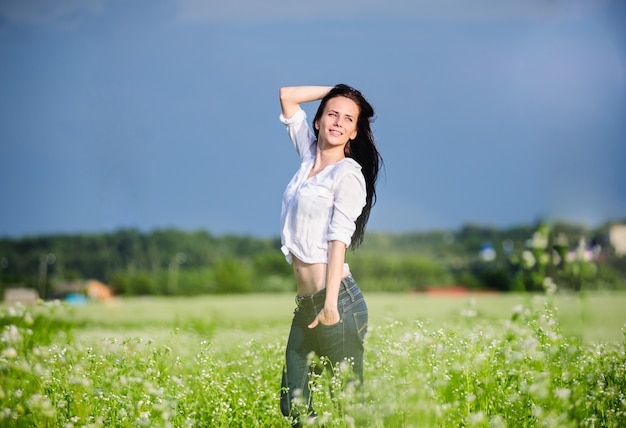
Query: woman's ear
317	125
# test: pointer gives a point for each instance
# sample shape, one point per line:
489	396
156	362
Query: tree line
176	262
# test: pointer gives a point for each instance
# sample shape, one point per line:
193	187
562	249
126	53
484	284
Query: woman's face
338	122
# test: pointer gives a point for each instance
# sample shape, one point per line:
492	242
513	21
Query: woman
325	208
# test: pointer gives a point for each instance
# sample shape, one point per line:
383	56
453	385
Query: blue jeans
337	342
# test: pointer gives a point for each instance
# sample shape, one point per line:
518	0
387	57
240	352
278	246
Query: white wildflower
549	285
476	418
529	259
11	334
539	241
9	353
497	421
563	393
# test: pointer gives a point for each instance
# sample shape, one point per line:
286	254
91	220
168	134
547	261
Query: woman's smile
338	123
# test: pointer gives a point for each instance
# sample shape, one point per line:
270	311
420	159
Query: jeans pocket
331	340
360	320
330	327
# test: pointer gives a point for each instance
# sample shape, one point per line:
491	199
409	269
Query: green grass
595	317
483	361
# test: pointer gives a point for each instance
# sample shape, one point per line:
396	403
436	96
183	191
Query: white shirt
321	208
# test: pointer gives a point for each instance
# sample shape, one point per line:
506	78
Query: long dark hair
362	149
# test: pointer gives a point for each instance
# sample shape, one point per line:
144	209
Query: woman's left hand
326	317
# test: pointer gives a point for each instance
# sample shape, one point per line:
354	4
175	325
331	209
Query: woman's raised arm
292	96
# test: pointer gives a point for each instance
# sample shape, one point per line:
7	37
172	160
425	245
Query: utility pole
44	261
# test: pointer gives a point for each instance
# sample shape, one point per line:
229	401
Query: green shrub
232	276
135	284
397	273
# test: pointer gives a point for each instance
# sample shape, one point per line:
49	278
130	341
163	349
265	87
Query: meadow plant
479	372
473	371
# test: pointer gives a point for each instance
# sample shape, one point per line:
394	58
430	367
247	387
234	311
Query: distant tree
232	276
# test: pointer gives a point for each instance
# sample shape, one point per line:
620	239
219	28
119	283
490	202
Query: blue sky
154	113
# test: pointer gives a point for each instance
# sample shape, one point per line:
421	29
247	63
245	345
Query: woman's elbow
285	94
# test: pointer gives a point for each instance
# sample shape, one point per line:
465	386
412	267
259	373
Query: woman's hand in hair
292	96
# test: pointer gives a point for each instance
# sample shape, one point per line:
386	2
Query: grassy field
596	317
483	360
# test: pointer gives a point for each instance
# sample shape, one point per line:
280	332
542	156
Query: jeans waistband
347	288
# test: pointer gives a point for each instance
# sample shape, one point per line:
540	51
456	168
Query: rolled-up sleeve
299	132
349	202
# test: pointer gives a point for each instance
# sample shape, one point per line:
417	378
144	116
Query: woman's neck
326	157
329	155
